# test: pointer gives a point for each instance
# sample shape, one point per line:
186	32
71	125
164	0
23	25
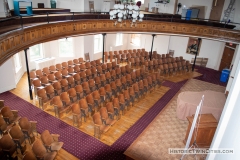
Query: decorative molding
15	41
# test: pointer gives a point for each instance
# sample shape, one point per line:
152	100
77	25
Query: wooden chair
57	88
94	72
76	62
92	85
77	115
129	80
52	69
46	71
50	141
71	71
97	100
71	82
116	107
83	76
58	67
79	91
72	95
77	69
36	86
103	94
114	88
42	98
39	73
106	119
110	110
99	127
99	70
28	127
10	116
64	85
59	108
64	65
50	92
4	127
87	57
82	67
104	68
86	89
123	70
8	146
65	73
70	63
44	81
109	92
97	82
80	60
93	64
51	78
88	74
65	99
17	136
108	77
88	65
127	98
113	75
103	80
122	103
85	108
58	75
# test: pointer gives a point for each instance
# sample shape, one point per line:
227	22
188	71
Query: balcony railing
20	22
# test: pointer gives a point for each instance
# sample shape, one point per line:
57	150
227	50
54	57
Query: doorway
227	56
216	12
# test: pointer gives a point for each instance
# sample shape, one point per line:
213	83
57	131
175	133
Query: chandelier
125	12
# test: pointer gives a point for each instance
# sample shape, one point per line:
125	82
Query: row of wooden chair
16	130
104	119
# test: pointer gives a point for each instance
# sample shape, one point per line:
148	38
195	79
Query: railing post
152	46
73	16
104	34
29	81
21	21
193	66
47	18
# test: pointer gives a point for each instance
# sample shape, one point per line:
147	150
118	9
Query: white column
228	130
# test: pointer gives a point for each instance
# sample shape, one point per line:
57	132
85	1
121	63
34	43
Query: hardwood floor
22	91
120	127
127	120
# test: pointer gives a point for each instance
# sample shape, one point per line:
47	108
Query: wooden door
217	7
226	57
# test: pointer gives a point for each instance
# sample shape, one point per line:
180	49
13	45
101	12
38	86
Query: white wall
7	81
73	5
212	50
190	3
228	130
162	8
2	13
97	4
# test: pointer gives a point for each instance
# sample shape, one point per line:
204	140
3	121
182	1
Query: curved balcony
19	33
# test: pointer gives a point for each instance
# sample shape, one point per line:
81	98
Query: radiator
45	62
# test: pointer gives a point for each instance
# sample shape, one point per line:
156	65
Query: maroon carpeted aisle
210	75
80	144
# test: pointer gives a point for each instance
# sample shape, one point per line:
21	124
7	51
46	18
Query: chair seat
50	155
110	121
56	146
104	128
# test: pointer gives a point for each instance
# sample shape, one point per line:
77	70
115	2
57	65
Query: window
17	62
119	39
98	40
66	47
36	52
135	39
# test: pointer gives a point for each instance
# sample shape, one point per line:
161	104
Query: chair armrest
15	113
55	137
35	122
